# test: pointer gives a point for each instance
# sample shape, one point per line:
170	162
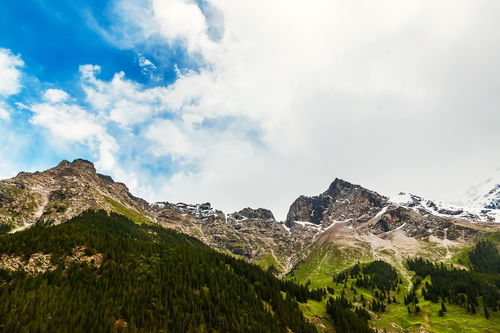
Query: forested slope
101	273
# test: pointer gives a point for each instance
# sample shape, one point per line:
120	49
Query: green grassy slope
323	263
131	214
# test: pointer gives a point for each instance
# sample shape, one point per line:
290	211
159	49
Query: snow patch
307	224
424	206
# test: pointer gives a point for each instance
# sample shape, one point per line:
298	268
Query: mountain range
363	216
322	234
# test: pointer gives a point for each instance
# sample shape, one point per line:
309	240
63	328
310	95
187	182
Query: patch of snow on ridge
307	224
424	206
380	213
200	211
401	226
401	198
160	205
485	194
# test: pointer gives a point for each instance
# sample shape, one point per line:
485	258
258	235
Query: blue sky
253	103
54	38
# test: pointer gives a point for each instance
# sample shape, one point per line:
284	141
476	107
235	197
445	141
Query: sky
252	103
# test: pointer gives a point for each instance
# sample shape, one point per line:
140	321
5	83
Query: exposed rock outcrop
249	213
342	201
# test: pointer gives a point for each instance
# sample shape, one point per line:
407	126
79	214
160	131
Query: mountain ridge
60	193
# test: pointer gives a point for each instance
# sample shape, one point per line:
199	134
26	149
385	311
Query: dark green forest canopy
379	277
148	279
460	286
485	258
376	274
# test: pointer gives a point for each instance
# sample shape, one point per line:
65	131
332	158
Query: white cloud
170	139
4	112
55	95
10	75
123	101
147	65
69	123
183	20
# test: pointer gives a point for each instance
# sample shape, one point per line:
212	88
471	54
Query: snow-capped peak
485	194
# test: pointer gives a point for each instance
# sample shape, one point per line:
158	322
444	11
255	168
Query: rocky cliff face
249	213
341	202
418	226
253	234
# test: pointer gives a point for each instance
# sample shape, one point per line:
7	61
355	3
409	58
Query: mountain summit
486	194
341	201
60	193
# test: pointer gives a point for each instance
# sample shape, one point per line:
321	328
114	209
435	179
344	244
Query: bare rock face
411	223
5	200
250	233
249	213
342	201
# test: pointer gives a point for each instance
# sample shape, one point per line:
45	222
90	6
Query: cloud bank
285	96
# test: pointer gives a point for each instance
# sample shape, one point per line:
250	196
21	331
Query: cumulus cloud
69	123
183	20
10	75
55	95
4	112
123	101
170	139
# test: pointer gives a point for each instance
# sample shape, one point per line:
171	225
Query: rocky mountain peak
57	194
338	185
250	213
63	164
342	201
83	165
485	194
78	163
494	198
